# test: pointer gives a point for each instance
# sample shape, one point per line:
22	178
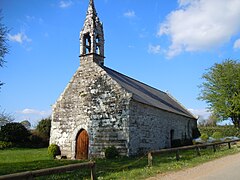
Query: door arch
82	144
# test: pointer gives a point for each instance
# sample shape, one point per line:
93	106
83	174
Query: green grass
20	160
17	160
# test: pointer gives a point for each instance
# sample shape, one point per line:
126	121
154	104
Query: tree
14	132
44	127
4	49
5	118
221	90
26	123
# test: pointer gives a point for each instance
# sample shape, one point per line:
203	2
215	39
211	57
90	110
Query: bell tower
92	38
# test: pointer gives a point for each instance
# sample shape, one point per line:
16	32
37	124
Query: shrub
217	135
53	150
226	131
4	145
111	152
43	128
15	133
36	140
204	137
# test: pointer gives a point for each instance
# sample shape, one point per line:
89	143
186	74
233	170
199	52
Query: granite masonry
100	107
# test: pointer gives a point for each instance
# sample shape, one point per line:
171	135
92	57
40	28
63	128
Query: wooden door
82	145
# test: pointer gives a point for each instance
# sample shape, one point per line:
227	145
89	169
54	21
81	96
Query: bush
15	133
227	131
217	135
111	152
4	145
204	137
36	140
53	150
43	128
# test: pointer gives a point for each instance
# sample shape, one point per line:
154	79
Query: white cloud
20	37
154	49
237	44
184	2
65	4
200	25
34	112
129	14
34	19
131	46
32	115
204	113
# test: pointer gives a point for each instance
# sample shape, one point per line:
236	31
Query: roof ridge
147	94
135	80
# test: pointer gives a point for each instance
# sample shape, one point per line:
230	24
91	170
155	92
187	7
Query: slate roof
147	94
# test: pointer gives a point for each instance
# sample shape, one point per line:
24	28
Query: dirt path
226	168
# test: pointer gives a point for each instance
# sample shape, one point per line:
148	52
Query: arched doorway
82	143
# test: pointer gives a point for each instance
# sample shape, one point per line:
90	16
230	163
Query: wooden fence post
93	172
150	159
229	145
177	155
198	151
214	148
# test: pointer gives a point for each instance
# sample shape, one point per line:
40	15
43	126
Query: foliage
44	127
4	144
227	131
5	118
4	49
204	137
15	133
53	150
221	90
217	135
37	140
111	152
26	123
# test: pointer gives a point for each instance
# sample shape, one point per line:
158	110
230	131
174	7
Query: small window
98	50
87	43
97	39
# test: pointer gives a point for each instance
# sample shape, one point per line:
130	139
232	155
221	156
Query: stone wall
150	127
94	102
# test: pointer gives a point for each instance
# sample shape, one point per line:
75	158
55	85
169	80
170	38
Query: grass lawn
18	160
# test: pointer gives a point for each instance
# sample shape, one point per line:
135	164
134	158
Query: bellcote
92	37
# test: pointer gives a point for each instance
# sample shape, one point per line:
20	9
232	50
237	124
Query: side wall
94	102
150	128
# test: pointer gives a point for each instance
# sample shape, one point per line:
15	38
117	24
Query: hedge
226	131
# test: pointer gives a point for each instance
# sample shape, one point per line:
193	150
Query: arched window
87	43
98	45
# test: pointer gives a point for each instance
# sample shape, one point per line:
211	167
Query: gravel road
226	168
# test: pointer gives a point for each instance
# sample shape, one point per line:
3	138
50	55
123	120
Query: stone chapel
101	107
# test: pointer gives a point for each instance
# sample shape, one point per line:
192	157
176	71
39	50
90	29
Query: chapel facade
101	107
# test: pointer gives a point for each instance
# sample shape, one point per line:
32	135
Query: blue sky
167	44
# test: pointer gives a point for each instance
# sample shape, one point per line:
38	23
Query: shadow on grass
16	167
